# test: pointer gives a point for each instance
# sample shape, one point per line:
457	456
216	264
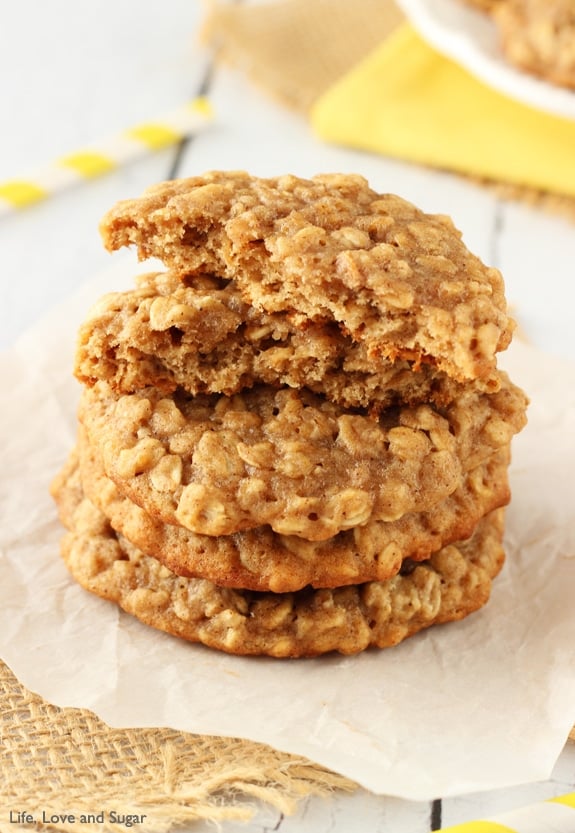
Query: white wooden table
72	73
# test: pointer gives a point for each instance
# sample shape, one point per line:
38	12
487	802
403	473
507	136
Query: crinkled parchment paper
480	704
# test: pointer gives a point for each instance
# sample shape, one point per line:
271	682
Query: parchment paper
484	703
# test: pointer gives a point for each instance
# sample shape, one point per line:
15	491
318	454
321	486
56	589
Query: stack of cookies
295	439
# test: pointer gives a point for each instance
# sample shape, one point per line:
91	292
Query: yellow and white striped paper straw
106	156
556	815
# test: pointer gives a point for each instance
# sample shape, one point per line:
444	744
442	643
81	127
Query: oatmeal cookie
538	36
452	584
329	249
259	559
217	465
201	336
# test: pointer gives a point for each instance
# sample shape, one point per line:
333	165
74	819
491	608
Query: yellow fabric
408	101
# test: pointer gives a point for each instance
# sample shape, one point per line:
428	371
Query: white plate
470	38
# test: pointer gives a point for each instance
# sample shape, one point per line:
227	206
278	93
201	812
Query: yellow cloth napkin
408	101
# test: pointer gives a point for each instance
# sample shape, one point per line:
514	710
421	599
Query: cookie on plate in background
538	36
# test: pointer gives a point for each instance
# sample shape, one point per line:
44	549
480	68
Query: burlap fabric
295	50
60	761
67	761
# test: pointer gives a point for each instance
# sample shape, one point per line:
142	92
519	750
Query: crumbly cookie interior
329	248
199	335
